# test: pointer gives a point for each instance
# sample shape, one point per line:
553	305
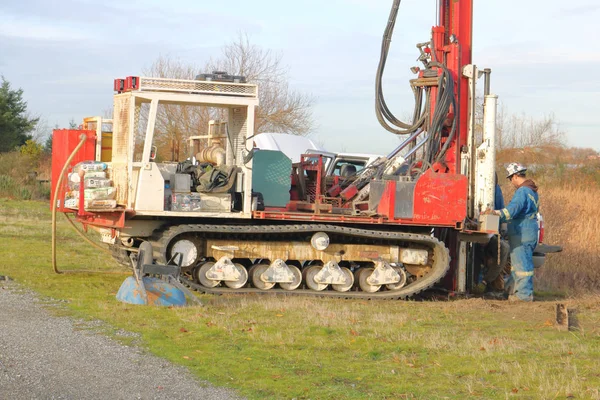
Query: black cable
385	117
433	151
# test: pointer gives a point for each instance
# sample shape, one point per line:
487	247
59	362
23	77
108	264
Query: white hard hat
514	168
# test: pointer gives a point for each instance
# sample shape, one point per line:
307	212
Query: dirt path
47	357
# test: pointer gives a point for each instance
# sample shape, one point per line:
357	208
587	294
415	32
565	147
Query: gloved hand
490	211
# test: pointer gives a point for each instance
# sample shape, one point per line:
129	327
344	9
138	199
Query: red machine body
437	200
64	142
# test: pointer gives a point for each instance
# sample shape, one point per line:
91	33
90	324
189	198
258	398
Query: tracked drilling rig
246	220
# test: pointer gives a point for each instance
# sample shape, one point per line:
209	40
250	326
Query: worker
521	216
492	284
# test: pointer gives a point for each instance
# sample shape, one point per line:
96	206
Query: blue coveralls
521	216
495	268
498	198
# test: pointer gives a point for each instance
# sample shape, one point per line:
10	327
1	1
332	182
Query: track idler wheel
255	272
361	276
188	248
344	287
309	278
200	275
241	280
401	283
293	285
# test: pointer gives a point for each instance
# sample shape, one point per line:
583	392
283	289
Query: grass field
305	348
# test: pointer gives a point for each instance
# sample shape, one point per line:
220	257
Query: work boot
495	295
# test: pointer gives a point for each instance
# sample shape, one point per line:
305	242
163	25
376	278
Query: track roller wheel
401	283
241	281
347	286
200	275
255	272
297	279
362	275
309	278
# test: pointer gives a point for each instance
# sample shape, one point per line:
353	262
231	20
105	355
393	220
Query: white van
293	146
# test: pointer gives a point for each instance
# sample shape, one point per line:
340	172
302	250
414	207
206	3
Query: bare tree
41	131
174	124
518	131
281	109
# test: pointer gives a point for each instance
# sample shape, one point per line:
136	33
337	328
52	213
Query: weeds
18	176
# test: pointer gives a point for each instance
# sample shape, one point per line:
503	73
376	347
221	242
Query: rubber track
441	257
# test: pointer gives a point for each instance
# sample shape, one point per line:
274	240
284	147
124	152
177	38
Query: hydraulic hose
385	117
445	100
87	239
82	140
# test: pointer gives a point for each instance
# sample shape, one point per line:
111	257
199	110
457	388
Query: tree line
282	108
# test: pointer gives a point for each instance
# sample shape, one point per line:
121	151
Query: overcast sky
545	55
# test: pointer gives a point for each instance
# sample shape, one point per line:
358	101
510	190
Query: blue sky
544	54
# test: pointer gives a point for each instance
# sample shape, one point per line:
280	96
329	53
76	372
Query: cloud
32	28
531	53
579	10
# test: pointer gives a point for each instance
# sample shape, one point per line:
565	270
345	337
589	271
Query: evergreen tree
15	124
48	145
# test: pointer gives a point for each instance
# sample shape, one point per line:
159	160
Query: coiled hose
82	140
384	115
445	100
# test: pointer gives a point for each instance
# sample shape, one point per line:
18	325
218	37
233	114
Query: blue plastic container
159	293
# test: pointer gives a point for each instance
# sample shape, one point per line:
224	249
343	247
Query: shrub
18	177
32	149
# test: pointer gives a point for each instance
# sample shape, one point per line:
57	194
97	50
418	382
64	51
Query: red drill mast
452	42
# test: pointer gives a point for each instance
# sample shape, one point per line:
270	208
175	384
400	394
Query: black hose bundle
385	117
445	101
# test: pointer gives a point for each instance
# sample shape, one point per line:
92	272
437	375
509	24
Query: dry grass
573	221
569	198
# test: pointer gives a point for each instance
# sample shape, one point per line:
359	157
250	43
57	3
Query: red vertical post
439	40
456	20
456	17
464	33
81	210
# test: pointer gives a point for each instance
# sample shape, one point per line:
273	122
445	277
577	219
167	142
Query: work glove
489	211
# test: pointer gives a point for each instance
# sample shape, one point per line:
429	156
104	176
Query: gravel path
48	357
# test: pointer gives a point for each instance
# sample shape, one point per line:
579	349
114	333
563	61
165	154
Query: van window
347	167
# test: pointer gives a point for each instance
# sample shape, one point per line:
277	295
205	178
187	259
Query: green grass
295	347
